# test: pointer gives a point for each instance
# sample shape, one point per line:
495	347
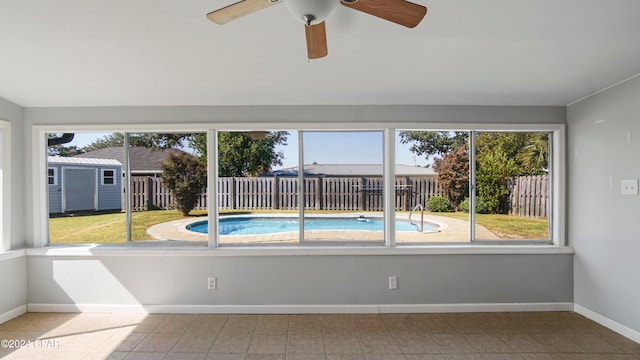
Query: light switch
629	187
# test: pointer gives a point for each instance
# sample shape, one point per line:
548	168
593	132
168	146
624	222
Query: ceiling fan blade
239	9
316	40
398	11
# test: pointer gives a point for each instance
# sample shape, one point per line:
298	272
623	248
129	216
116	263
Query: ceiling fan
312	13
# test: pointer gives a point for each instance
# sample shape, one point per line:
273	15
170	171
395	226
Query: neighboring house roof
352	170
84	161
143	160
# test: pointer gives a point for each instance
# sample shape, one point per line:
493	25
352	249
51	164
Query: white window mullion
389	188
127	187
301	186
212	188
472	186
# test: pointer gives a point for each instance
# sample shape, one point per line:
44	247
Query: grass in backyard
109	228
507	226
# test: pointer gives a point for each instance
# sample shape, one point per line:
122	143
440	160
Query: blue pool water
269	225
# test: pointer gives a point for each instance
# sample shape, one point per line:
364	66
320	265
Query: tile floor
488	336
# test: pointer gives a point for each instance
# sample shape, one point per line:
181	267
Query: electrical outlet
211	283
393	282
629	187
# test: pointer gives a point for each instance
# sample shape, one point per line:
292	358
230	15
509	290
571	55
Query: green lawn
110	228
507	226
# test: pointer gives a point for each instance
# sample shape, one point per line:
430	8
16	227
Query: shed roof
83	161
142	159
352	170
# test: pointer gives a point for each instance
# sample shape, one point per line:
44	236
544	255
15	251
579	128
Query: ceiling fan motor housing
311	12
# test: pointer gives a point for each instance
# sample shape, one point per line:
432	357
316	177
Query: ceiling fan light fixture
347	1
314	10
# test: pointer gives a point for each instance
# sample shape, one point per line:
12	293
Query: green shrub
464	205
186	177
492	178
438	204
482	207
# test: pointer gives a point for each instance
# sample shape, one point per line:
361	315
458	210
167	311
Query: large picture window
258	188
122	187
343	187
310	187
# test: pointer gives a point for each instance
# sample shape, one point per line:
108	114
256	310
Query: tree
499	156
241	155
431	143
238	153
148	140
59	149
534	157
186	176
530	150
453	175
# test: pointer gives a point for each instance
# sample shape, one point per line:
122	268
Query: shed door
79	189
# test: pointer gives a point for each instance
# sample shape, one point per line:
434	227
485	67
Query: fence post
360	193
406	191
275	193
318	201
232	193
148	193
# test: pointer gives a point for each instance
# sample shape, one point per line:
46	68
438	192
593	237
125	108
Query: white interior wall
603	225
13	268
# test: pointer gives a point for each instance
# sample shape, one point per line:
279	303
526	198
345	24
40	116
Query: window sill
11	254
133	250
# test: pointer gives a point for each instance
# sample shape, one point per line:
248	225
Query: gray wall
603	225
300	280
308	279
13	275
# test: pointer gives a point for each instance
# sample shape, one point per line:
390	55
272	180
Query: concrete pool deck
451	230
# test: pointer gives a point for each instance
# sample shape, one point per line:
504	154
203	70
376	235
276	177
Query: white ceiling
166	52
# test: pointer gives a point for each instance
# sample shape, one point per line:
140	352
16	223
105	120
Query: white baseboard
606	322
300	309
459	308
12	314
87	308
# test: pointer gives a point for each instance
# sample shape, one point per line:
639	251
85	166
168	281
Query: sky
355	147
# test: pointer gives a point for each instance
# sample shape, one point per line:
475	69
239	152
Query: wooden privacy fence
528	195
273	193
320	193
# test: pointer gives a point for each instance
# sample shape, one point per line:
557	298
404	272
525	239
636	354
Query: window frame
112	177
557	167
54	176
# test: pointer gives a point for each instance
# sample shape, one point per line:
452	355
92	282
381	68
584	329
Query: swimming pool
269	225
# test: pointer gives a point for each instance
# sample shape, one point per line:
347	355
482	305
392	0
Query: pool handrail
419	206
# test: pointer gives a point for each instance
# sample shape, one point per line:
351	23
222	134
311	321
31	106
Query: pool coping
451	230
